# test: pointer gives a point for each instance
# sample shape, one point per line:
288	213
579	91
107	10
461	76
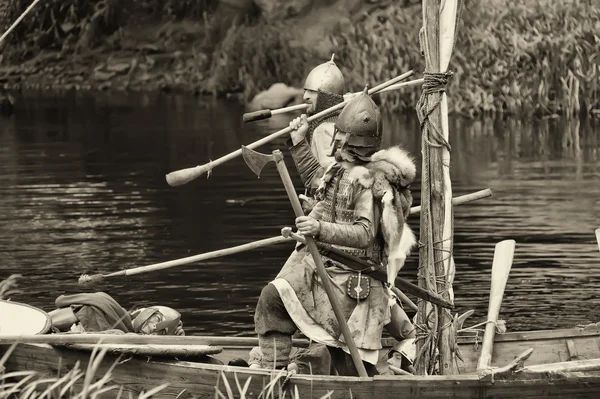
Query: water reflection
83	190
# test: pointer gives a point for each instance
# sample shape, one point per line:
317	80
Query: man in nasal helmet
324	87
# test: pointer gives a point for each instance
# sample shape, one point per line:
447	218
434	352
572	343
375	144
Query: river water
83	190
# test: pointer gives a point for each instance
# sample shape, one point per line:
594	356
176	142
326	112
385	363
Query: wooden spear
184	176
267	113
85	278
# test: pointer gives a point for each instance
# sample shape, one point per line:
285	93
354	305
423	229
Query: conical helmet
361	121
326	77
160	320
407	348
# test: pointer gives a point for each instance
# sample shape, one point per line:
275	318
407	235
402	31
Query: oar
463	199
405	299
267	113
184	176
598	238
183	261
503	257
402	85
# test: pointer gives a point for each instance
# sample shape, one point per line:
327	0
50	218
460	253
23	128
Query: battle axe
256	161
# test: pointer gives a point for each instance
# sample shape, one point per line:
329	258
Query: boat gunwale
300	378
477	377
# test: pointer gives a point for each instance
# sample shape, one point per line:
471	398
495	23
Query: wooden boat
564	363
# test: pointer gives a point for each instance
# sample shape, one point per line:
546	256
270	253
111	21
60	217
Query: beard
343	156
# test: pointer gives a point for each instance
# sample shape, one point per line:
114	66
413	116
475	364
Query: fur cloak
388	175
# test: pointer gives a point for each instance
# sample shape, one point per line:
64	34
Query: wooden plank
545	351
577	365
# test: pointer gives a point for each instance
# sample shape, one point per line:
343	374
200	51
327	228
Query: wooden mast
436	265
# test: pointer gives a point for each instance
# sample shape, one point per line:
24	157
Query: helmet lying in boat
157	320
403	354
358	129
326	77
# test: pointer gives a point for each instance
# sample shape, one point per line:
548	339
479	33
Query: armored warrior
363	201
324	87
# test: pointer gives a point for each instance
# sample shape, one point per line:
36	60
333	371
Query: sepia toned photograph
334	199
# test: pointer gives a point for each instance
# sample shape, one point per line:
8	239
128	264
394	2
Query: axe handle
312	246
184	176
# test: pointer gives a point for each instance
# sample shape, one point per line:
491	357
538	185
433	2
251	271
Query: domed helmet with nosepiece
158	320
327	78
407	350
361	121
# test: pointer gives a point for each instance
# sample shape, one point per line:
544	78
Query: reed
274	388
84	383
76	383
534	57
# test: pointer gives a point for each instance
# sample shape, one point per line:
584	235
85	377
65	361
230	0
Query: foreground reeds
77	383
80	383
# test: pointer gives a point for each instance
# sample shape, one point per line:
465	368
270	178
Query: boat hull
198	380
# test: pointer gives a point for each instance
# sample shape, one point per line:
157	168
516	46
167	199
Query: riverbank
538	57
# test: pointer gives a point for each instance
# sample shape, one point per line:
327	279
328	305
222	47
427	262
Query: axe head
255	160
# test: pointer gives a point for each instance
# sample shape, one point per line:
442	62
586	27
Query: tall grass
529	57
275	388
82	384
77	383
523	57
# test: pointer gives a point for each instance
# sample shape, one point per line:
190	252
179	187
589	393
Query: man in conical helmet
363	201
310	142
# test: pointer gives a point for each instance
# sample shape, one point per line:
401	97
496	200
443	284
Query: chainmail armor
325	100
338	199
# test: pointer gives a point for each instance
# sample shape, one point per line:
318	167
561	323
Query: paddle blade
503	258
184	176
